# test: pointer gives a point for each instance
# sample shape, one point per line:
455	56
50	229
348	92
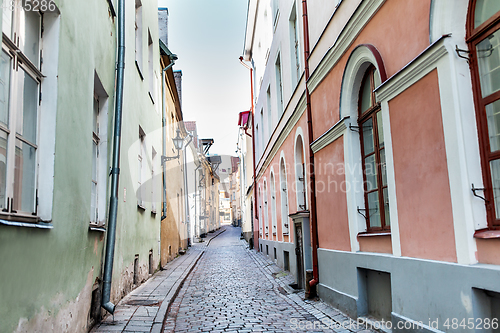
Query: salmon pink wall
378	244
331	202
398	43
488	251
288	150
420	167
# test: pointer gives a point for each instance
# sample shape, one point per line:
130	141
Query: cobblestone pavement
233	289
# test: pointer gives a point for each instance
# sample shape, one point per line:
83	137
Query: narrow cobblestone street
230	291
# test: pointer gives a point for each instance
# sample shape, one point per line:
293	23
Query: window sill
286	234
97	227
274	234
153	211
39	224
139	206
487	234
374	233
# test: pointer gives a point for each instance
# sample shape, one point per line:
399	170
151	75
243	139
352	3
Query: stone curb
165	306
159	321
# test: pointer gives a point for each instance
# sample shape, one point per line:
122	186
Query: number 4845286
472	323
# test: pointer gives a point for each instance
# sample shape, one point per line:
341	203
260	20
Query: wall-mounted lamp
178	143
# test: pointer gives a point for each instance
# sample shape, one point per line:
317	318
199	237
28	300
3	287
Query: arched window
300	173
284	198
261	222
373	154
265	213
483	36
273	199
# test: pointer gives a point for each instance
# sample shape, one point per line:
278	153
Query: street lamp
178	143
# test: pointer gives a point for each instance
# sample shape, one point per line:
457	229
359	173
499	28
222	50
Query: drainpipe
256	239
172	58
115	171
196	231
314	221
186	196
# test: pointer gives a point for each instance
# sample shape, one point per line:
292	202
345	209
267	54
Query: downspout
196	231
314	221
115	171
186	196
253	155
164	134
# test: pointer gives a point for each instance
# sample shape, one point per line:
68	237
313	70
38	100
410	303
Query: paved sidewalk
321	311
233	289
144	309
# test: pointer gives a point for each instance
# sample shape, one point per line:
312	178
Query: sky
208	38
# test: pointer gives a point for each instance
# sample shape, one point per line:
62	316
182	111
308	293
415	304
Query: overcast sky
208	36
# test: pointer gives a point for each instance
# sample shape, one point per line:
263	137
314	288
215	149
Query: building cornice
413	71
335	132
365	11
292	121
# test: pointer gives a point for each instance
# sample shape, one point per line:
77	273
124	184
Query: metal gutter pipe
314	221
164	134
186	196
253	155
115	171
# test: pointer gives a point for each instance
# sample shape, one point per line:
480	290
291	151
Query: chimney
178	84
163	24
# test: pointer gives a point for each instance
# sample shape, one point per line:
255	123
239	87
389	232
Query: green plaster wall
45	272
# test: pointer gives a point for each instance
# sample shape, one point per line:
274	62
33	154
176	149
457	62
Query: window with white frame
20	79
263	141
141	158
269	111
279	86
300	173
294	45
273	200
151	73
153	179
276	12
265	213
284	198
138	35
99	160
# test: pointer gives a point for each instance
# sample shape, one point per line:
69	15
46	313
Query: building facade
400	97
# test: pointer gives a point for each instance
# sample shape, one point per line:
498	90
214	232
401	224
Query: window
300	174
284	198
94	216
373	155
273	201
269	111
138	36
276	12
279	86
483	32
153	180
99	161
141	167
151	73
266	211
263	141
294	44
20	79
257	142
